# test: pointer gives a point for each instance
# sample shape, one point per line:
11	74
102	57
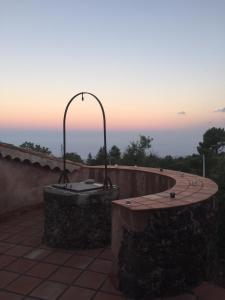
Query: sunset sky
154	64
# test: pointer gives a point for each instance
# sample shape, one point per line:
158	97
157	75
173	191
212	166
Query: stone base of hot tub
74	221
173	253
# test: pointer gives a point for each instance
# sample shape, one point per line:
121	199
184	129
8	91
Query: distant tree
193	164
213	141
144	143
73	156
34	147
137	152
100	157
114	155
90	160
153	161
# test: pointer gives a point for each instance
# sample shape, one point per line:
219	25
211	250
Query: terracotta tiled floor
31	270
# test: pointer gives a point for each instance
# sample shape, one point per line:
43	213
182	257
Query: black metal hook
64	175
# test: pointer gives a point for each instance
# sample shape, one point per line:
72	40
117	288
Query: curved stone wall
132	181
163	243
162	232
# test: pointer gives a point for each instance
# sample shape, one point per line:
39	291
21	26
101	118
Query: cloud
220	110
181	113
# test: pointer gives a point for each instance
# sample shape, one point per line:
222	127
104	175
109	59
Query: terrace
31	270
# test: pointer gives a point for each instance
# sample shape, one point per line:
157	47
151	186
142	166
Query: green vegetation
34	147
114	155
139	153
213	142
73	156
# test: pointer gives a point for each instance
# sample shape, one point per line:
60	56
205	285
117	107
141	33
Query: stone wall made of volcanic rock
174	252
163	243
78	220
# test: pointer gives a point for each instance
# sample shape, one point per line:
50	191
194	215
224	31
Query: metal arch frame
64	176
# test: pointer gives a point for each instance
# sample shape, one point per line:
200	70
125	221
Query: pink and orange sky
155	65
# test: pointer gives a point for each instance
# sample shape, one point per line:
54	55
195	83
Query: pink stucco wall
131	181
21	184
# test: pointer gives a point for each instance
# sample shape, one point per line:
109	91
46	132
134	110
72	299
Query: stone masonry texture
74	220
174	253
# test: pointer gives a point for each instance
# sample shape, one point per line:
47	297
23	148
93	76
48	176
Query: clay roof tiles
33	157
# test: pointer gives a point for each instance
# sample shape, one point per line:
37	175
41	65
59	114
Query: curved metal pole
64	175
